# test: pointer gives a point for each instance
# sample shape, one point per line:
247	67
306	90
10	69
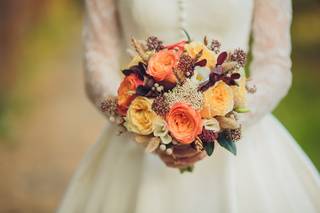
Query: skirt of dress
270	174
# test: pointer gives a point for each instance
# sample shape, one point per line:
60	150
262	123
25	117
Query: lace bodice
109	25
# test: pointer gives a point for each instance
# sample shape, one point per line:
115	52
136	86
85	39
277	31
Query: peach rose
161	65
184	123
218	100
126	92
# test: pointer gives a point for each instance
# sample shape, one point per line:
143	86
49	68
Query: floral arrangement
187	93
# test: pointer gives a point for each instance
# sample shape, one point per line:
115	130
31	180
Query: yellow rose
140	116
218	100
195	47
134	61
240	92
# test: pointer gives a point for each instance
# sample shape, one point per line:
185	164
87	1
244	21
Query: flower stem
187	169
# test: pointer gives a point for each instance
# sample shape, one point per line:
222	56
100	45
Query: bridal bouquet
187	93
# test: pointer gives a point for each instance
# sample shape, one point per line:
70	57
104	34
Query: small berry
112	119
163	147
169	151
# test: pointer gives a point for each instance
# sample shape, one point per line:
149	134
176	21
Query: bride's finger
184	151
168	160
182	162
191	160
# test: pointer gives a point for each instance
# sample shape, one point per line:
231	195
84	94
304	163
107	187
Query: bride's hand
182	156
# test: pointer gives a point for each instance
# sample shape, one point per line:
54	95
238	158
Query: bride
270	174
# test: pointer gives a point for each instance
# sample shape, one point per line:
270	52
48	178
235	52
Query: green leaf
227	144
187	169
208	147
187	35
241	110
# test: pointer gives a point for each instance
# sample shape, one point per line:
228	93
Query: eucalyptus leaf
227	144
208	147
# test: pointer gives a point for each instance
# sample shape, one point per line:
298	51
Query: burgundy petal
218	70
204	86
214	77
235	76
142	90
201	63
221	58
139	70
127	72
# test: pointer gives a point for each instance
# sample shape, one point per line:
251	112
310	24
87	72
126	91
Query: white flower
211	124
161	131
201	74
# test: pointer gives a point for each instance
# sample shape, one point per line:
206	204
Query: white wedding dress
270	173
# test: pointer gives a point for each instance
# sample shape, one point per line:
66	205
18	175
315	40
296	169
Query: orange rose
161	65
126	92
184	123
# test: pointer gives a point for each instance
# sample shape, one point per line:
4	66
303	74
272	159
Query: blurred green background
46	123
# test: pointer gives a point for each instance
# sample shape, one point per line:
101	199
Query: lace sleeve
271	65
101	50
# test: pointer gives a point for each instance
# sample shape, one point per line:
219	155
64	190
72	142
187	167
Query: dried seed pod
109	106
121	130
141	139
205	40
208	136
160	106
153	144
239	56
198	56
153	43
215	46
227	122
139	49
186	64
234	134
229	66
180	75
197	145
251	89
